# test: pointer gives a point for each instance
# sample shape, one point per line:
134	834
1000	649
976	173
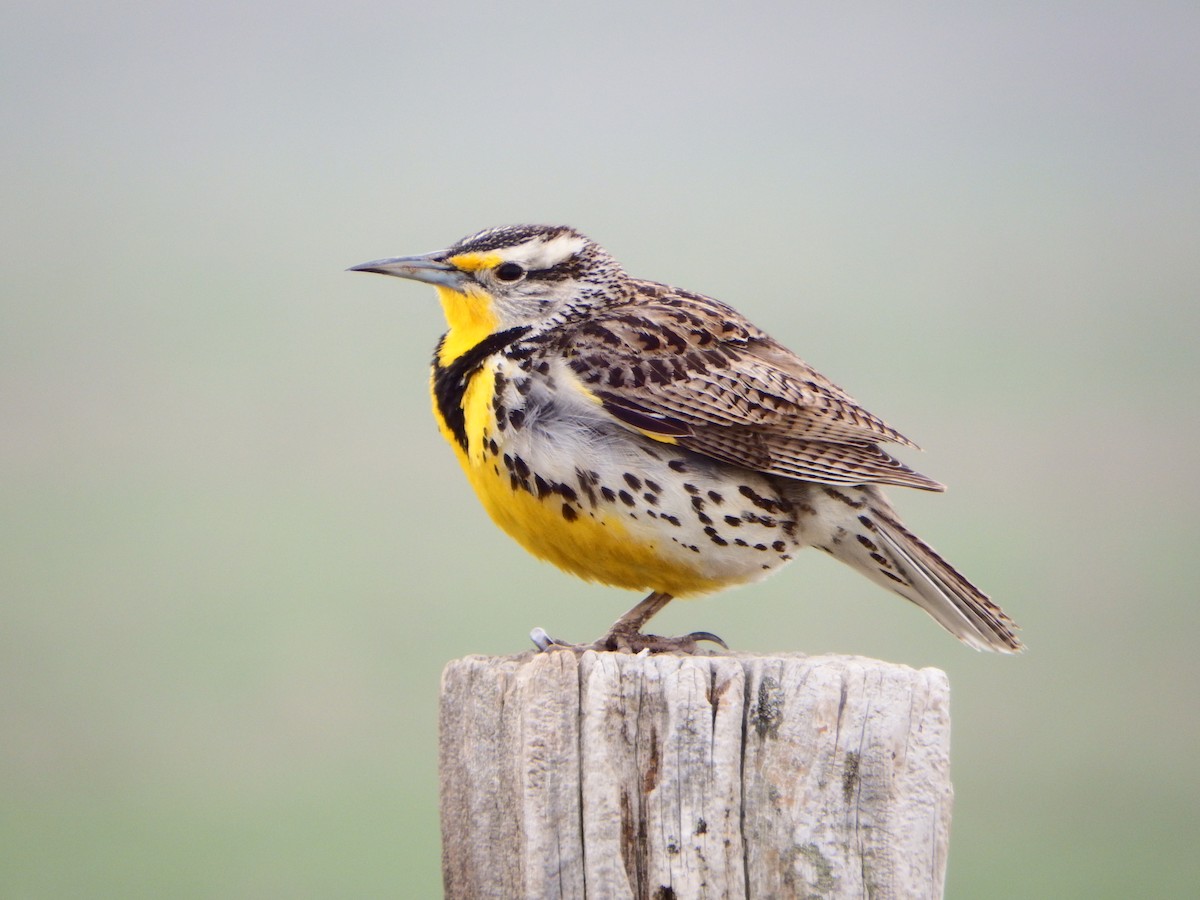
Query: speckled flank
630	519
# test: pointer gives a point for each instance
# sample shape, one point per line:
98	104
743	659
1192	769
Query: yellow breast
589	541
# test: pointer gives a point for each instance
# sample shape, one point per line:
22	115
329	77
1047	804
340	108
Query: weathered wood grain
611	775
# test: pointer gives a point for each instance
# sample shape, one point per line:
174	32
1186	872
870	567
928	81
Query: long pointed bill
426	268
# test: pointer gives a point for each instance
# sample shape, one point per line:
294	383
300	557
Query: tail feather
866	534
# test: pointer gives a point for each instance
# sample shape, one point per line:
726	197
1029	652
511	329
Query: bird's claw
706	636
545	643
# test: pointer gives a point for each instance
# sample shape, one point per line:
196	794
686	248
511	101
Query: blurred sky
234	553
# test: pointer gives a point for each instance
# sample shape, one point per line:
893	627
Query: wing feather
687	369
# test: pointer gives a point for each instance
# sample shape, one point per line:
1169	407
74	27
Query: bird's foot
620	640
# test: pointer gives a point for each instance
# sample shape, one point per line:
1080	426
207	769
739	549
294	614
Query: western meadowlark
649	438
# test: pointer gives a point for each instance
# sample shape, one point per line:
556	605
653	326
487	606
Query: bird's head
515	275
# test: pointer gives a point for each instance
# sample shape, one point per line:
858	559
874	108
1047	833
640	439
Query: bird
651	438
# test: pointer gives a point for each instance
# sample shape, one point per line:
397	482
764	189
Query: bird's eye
509	271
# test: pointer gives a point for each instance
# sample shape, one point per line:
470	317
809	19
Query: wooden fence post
611	775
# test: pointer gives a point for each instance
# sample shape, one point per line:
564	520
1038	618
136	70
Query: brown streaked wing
694	371
846	463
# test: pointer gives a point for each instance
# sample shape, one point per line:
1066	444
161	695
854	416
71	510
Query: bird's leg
626	633
630	624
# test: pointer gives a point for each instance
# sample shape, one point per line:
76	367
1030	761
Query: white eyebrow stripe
543	254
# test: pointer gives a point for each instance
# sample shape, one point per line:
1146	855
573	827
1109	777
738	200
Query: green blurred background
231	548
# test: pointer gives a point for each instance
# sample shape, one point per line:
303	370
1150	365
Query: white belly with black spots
692	523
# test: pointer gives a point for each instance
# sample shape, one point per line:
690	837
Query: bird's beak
427	268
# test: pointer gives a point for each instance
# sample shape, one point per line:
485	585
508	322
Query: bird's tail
859	527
